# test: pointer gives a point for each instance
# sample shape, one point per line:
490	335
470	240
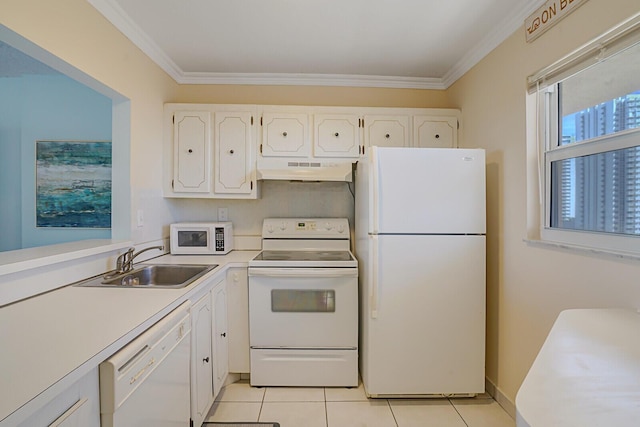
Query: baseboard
508	406
231	378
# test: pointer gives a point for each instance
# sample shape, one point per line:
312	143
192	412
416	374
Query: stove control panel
308	228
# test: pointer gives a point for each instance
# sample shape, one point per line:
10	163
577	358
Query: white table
586	374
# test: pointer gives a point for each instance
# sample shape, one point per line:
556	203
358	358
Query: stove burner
304	256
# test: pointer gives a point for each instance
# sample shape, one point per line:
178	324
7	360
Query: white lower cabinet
201	359
209	349
77	406
238	320
220	338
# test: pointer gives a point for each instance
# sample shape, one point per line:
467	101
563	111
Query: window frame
551	150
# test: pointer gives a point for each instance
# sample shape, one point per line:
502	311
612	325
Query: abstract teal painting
73	184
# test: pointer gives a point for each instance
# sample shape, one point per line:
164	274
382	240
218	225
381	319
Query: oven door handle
303	272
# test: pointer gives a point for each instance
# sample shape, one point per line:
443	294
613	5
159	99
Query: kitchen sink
157	276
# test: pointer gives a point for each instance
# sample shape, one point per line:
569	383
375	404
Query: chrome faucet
124	263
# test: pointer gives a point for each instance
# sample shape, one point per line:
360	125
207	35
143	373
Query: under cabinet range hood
306	170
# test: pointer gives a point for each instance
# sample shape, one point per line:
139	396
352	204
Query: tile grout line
392	413
326	412
261	404
458	412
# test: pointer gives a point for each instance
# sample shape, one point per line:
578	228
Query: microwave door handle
303	272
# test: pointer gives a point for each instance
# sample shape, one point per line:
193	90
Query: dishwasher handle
122	373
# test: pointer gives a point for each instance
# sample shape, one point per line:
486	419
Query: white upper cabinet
191	152
387	131
435	131
225	151
285	135
234	158
336	135
210	151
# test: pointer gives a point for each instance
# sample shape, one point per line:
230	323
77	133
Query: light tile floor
343	407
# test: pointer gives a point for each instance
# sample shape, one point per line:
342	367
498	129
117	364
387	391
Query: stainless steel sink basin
164	276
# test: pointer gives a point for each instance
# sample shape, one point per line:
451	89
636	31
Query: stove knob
270	228
283	226
328	226
341	228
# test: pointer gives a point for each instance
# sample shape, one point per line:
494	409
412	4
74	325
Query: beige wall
528	286
74	31
313	95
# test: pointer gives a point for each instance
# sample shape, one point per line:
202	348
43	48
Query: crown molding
114	13
492	40
111	10
287	79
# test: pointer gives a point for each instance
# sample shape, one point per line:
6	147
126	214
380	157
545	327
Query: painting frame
73	184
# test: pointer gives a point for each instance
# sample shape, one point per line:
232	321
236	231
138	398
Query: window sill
32	258
585	250
29	272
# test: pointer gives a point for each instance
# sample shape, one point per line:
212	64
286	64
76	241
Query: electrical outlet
223	214
140	218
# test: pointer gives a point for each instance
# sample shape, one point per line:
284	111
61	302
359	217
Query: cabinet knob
387	136
224	334
206	360
336	134
437	136
284	134
231	151
190	151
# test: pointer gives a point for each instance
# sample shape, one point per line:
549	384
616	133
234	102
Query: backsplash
279	199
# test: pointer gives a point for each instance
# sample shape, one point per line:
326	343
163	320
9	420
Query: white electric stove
303	305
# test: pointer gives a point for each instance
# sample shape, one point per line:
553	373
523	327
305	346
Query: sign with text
548	15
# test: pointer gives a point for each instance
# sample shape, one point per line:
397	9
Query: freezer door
427	191
423	315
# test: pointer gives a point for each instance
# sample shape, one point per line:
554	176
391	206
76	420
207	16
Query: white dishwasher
146	383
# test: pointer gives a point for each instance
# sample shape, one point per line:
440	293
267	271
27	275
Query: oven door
303	307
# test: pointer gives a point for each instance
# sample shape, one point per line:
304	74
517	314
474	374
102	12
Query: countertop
586	374
51	340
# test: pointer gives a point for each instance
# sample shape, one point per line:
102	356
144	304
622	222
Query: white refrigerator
420	242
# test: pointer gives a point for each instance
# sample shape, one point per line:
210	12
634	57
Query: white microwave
201	238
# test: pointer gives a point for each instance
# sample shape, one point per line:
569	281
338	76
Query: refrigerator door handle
373	190
374	277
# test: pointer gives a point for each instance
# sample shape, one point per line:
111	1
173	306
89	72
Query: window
589	137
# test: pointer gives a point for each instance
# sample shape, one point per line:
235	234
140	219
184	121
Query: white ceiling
375	43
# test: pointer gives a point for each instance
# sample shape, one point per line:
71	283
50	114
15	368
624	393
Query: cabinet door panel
233	134
386	131
435	132
238	320
285	135
191	155
201	360
336	136
221	350
77	406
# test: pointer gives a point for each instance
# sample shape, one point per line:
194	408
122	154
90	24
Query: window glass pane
303	301
599	192
601	100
